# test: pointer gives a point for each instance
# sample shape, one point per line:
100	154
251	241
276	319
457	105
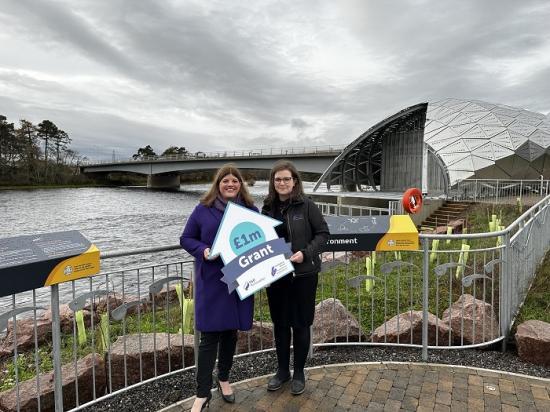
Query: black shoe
227	398
276	381
298	385
206	403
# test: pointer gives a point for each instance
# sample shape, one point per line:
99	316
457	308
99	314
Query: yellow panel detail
402	235
81	266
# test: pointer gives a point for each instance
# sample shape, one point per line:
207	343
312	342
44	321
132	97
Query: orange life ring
412	200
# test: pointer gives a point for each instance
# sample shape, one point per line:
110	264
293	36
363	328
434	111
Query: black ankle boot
277	380
298	384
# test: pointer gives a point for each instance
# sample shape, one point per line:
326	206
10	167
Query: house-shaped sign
252	253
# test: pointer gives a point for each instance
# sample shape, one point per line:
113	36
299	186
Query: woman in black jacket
292	298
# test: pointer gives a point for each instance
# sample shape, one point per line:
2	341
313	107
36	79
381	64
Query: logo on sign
68	270
245	236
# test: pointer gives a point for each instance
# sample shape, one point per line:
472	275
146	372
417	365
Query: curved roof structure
459	139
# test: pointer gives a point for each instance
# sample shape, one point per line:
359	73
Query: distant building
434	145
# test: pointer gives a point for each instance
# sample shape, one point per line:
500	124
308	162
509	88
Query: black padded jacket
307	232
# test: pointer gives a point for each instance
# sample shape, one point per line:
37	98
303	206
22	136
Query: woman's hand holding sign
297	257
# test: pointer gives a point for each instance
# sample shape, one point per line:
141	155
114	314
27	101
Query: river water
113	219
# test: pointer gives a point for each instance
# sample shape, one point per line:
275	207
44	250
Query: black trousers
212	344
300	341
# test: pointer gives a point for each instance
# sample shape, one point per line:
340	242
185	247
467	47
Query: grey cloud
298	123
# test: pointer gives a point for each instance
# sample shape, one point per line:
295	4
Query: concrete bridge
164	172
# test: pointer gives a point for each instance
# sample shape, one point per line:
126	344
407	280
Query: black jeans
221	344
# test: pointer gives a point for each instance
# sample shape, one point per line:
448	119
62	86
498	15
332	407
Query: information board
33	261
376	233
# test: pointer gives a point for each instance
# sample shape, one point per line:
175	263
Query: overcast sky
213	75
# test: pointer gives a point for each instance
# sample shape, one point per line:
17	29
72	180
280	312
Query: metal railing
229	154
500	190
127	327
332	209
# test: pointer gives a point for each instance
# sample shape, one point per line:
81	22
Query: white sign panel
253	254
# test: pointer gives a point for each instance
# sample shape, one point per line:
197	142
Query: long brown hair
214	191
297	190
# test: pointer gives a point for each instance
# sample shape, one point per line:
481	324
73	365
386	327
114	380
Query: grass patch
537	303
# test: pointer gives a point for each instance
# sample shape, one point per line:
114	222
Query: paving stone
443	398
392	405
458	406
542	405
375	407
397	394
363	398
475	380
429	387
476	404
413	390
445	385
384	385
509	399
409	403
380	396
401	382
539	392
335	392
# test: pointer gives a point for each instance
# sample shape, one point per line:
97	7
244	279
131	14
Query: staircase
451	210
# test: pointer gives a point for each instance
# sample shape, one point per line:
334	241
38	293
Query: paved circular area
391	387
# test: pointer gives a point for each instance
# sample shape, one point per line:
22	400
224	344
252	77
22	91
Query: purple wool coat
215	308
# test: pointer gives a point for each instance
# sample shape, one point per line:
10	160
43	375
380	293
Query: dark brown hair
297	190
214	191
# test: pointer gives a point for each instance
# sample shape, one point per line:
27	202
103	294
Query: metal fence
126	327
500	190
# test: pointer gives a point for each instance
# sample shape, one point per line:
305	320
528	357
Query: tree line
36	154
148	151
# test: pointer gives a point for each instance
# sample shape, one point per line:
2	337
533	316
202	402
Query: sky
117	75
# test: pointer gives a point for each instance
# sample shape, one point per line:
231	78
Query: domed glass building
435	145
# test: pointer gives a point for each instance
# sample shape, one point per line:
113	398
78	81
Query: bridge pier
164	181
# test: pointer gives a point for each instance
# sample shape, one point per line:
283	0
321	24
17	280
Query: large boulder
114	300
66	316
407	325
28	399
473	319
258	338
165	294
334	323
130	348
533	342
25	335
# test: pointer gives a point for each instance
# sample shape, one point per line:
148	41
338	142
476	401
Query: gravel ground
166	391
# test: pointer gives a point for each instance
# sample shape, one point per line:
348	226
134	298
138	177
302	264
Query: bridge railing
229	154
130	326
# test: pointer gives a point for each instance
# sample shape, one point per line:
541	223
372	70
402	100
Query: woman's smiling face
229	187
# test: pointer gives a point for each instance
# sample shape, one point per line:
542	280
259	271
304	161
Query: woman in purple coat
218	314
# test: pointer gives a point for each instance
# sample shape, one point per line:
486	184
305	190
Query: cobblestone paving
391	387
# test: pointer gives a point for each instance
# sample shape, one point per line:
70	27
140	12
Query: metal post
425	291
56	342
505	291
